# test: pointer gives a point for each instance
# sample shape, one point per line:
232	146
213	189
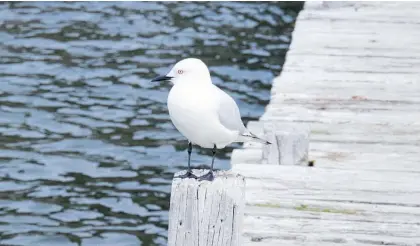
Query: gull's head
190	69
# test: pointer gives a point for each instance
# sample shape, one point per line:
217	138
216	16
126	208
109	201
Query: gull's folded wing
228	112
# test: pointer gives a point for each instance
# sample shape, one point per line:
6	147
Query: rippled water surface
87	150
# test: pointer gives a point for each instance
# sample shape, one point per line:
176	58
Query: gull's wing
228	112
230	117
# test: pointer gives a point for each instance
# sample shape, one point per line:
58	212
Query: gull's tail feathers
249	136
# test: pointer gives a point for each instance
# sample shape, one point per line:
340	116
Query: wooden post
290	144
204	213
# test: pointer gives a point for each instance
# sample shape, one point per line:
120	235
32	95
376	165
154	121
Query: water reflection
87	150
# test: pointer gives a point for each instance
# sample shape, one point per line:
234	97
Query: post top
219	176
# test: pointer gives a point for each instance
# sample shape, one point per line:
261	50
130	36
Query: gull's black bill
161	78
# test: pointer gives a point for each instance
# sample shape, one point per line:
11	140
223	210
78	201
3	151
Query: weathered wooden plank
348	43
206	213
289	113
342	195
256	239
376	135
403	134
386	93
338	5
296	208
330	127
352	207
342	155
323	231
367	64
341	26
327	228
397	136
316	95
290	177
363	13
357	103
363	161
360	51
369	81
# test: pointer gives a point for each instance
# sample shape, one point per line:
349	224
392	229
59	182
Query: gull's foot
188	175
208	176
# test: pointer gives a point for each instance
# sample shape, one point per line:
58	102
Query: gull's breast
194	114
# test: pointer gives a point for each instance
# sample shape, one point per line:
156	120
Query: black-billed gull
202	112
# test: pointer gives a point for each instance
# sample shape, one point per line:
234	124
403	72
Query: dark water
87	150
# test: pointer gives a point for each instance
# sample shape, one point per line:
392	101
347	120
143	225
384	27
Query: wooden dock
353	74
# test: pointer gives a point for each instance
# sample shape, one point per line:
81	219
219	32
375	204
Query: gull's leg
210	176
189	173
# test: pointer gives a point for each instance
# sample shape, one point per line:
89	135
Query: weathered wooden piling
289	144
204	213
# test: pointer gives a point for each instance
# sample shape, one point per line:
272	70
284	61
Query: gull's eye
180	71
